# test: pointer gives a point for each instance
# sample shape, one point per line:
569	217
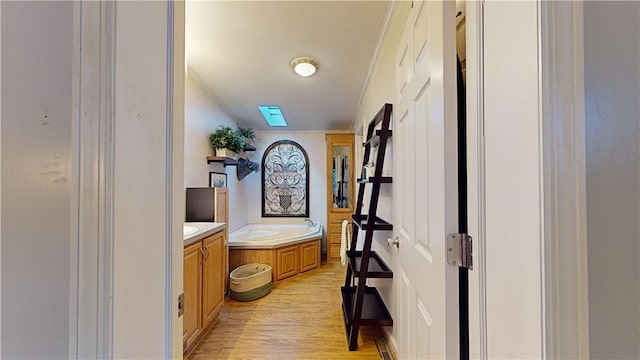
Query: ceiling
241	52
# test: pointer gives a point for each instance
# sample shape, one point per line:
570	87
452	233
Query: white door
426	185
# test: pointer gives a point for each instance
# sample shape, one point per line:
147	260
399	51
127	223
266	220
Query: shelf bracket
459	250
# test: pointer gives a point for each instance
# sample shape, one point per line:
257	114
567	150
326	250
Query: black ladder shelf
362	304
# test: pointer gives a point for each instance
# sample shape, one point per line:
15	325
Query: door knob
395	241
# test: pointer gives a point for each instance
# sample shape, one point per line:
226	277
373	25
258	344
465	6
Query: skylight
273	115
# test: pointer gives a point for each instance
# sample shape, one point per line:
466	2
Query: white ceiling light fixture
304	66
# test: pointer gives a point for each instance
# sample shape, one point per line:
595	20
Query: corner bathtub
289	249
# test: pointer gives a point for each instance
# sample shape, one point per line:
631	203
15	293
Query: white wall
36	174
202	116
380	90
314	144
612	96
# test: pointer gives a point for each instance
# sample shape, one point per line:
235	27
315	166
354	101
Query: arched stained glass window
285	184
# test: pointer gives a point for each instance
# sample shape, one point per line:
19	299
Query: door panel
403	310
424	216
420	33
192	285
423	325
422	172
213	278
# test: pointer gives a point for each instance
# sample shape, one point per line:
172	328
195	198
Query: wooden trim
565	262
221	207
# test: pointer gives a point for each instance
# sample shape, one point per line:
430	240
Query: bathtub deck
300	319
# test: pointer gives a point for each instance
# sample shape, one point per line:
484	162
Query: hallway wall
202	116
36	178
612	96
381	89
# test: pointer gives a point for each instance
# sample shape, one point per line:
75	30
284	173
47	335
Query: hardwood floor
300	319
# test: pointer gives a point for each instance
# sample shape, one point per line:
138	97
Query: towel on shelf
343	243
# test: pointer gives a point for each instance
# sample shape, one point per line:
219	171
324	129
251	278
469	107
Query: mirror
341	177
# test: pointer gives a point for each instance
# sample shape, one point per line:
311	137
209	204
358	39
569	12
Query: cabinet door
192	285
309	255
340	188
288	260
213	277
221	215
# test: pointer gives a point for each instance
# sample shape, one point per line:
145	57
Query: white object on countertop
343	243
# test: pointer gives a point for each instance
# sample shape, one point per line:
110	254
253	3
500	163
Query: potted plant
226	142
248	133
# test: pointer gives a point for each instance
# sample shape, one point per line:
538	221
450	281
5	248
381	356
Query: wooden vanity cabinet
204	287
213	277
340	188
192	285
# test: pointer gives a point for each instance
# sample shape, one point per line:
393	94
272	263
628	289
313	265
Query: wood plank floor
300	319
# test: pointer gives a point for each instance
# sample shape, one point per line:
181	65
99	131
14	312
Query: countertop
204	229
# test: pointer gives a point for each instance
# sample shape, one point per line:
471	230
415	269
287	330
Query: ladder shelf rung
371	179
377	267
363	223
374	141
374	312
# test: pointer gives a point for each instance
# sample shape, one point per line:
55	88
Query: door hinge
459	250
180	304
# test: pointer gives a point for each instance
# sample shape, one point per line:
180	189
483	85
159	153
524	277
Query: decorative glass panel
285	185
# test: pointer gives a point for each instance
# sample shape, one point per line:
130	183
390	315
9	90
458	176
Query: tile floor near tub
300	319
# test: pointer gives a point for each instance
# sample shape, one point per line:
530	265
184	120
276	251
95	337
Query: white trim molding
174	191
562	94
91	288
476	178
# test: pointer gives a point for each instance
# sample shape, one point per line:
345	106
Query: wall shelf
228	161
373	312
362	222
376	268
223	160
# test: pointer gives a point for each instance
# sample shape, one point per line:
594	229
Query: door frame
94	255
564	137
563	269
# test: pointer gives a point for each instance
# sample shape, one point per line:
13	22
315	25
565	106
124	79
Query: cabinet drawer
334	229
333	252
338	217
334	239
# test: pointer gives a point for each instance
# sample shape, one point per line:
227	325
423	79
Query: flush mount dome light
304	66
